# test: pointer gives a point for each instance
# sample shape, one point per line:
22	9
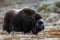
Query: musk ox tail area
7	20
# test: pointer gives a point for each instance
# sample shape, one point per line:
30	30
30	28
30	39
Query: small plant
18	2
42	7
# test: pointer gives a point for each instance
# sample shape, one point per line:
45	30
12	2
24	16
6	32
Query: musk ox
23	20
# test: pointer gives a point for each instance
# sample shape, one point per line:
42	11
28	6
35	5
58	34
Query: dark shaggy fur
25	21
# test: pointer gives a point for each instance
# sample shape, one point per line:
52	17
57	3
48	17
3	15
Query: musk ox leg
34	31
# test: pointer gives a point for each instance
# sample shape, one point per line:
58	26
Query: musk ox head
39	24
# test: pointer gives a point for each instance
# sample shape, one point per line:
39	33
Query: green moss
38	9
18	2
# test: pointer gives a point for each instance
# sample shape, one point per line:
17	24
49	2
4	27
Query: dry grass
51	33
